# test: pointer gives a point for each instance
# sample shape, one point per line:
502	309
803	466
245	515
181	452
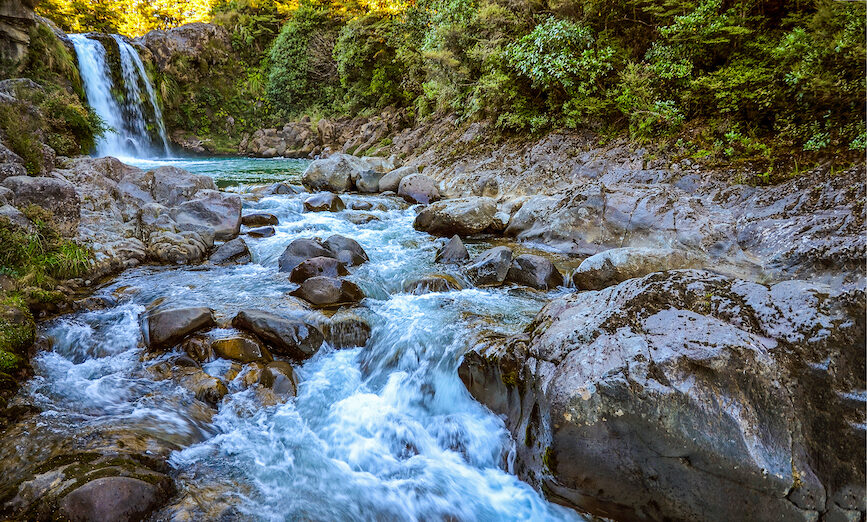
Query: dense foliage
734	78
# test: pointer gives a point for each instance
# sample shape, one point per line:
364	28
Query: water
129	133
386	432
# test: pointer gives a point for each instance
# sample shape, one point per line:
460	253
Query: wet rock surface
325	202
291	337
232	252
685	395
453	253
323	291
491	267
163	328
534	271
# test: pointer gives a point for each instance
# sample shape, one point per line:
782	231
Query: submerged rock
619	264
685	395
418	188
462	217
166	327
432	283
280	378
534	271
291	337
325	202
324	291
490	267
112	499
347	329
241	347
261	232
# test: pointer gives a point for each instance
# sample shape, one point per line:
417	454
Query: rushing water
130	125
385	432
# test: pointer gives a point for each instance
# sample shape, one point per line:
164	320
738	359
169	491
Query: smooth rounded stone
241	347
362	219
328	292
261	232
347	329
346	250
279	377
173	186
291	337
324	202
620	264
359	205
299	251
318	266
453	253
490	267
218	210
462	216
251	373
641	388
198	348
334	173
390	182
164	328
259	219
112	499
368	181
534	271
53	194
232	252
418	188
432	283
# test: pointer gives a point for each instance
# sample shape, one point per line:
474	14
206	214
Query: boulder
279	377
418	188
198	348
619	264
346	250
166	327
379	164
112	499
334	173
685	395
290	337
240	347
391	182
259	219
9	170
204	387
347	329
16	218
212	208
232	252
462	216
368	181
490	267
324	202
281	188
324	291
317	266
453	253
432	283
53	194
534	271
173	186
261	232
301	250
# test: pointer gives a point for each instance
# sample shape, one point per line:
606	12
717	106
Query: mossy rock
17	328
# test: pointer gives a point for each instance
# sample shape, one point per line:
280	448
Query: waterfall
123	109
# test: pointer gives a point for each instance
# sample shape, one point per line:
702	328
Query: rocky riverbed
659	344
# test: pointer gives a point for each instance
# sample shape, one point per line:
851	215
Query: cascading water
122	109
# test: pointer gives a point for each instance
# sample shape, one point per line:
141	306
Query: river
384	432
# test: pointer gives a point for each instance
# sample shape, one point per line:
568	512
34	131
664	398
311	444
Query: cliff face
16	19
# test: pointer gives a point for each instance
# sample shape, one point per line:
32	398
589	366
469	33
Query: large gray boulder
685	395
324	202
53	194
328	292
453	253
619	264
334	173
218	210
113	499
462	216
291	337
390	182
418	188
232	252
173	186
317	266
346	250
300	250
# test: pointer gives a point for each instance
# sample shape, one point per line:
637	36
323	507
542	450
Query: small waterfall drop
121	107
